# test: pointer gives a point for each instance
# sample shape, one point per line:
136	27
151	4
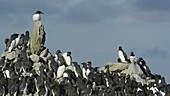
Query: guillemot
37	16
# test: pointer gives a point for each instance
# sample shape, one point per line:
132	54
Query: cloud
92	11
157	53
152	5
151	10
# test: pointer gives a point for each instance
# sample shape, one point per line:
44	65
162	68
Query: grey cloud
19	13
28	7
152	16
151	11
150	5
92	11
157	53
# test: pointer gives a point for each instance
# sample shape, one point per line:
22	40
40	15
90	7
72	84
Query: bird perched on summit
37	16
122	55
132	57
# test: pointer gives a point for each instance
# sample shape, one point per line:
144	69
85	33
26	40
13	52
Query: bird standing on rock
38	35
59	58
141	62
84	69
132	57
12	42
122	55
77	70
67	57
36	16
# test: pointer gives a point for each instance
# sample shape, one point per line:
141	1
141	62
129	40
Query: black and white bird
144	67
89	67
84	69
17	40
59	58
12	42
77	70
7	73
7	43
21	41
37	16
2	62
67	57
132	57
122	55
26	38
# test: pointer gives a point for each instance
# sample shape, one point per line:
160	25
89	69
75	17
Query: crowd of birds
44	74
25	74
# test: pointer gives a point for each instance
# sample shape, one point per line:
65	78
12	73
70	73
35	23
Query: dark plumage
144	67
59	58
39	12
77	70
2	62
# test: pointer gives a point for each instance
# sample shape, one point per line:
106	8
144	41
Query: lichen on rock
38	38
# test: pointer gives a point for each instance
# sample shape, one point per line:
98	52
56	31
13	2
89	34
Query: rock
38	38
134	69
117	66
36	66
35	58
139	79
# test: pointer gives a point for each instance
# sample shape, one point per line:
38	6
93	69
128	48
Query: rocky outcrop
38	38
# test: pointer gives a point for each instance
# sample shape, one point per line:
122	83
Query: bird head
39	12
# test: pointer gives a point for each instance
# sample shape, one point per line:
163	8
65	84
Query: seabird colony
24	73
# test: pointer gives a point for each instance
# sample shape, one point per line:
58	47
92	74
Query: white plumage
154	89
84	73
132	57
67	58
17	41
7	73
107	82
139	89
60	70
56	58
36	17
75	72
65	74
13	43
121	56
93	86
87	72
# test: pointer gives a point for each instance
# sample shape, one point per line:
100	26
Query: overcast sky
93	29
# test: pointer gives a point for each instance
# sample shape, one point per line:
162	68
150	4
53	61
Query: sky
94	29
